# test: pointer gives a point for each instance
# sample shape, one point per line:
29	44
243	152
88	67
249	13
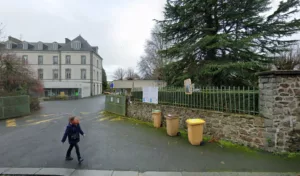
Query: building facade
73	67
125	86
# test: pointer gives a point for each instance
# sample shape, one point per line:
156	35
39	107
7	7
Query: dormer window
25	45
8	45
76	45
55	46
40	46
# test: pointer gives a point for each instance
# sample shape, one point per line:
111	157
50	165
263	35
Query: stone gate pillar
279	104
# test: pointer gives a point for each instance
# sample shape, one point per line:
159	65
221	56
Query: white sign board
188	86
150	95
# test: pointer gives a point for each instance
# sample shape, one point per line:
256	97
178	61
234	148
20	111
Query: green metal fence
115	104
14	106
226	99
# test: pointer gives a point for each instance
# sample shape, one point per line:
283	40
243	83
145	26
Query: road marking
45	121
47	115
11	123
30	120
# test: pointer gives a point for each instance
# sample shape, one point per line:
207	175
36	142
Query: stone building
73	67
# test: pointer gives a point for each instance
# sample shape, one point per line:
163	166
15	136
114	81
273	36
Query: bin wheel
178	134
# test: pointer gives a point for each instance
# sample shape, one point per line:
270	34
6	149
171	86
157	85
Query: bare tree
119	74
2	37
287	60
16	76
151	64
131	75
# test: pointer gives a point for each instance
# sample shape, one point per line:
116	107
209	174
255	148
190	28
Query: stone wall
276	129
280	106
242	129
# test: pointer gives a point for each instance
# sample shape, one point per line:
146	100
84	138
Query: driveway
118	144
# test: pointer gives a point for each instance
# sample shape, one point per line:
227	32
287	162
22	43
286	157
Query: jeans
77	150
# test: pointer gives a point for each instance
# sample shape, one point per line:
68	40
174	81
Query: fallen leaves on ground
117	119
102	119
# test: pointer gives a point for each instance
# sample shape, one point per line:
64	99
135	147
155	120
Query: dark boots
68	158
80	160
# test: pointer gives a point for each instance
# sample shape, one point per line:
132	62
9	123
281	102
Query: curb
75	172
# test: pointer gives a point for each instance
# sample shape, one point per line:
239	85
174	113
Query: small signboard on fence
150	95
188	86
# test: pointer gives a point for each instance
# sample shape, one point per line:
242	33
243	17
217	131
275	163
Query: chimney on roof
67	40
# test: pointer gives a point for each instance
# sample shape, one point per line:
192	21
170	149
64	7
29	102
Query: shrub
34	104
61	97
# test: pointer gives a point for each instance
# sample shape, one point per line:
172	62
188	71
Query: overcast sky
118	27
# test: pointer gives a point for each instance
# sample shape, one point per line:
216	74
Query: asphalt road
118	144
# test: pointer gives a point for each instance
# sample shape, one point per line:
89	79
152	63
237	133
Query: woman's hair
71	119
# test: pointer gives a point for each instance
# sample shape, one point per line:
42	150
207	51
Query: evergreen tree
104	80
233	29
226	38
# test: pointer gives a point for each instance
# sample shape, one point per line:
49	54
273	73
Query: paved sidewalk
74	172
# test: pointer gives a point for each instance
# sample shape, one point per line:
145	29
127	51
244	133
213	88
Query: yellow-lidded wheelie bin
156	116
195	130
172	124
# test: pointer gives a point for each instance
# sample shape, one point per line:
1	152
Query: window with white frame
68	73
97	76
97	63
94	75
55	73
40	46
40	60
68	59
55	46
40	74
83	60
25	59
55	60
83	73
76	45
25	45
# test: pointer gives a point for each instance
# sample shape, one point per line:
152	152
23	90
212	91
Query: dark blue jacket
72	132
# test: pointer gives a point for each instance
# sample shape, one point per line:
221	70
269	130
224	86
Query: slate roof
85	46
33	46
